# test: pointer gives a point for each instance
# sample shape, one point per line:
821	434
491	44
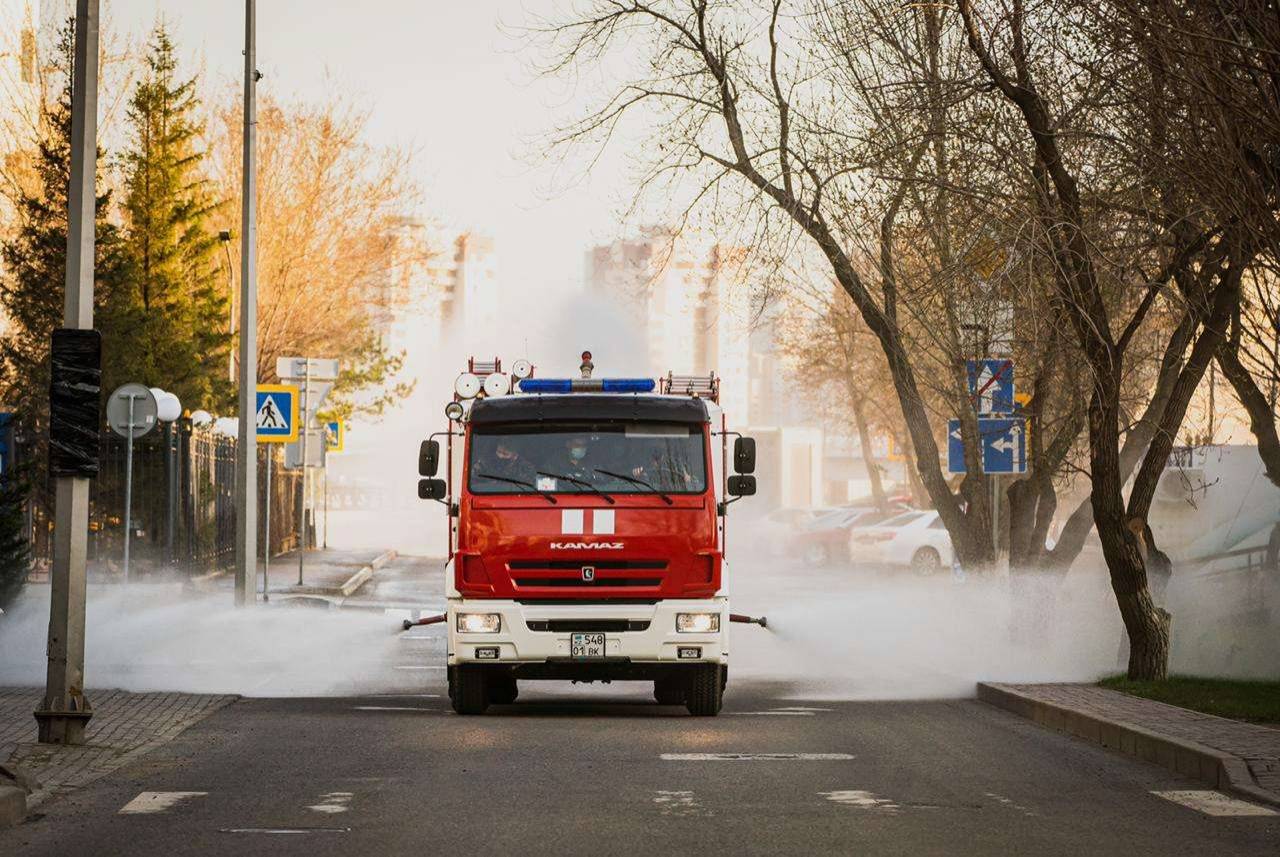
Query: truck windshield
587	458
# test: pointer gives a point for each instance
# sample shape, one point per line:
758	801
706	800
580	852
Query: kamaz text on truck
586	532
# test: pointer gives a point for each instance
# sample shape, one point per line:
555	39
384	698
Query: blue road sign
1004	445
991	385
277	413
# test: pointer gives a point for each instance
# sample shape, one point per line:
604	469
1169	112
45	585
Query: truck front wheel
706	691
503	690
468	690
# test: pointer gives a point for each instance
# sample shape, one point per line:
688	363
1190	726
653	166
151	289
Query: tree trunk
1024	498
868	457
1262	417
1076	530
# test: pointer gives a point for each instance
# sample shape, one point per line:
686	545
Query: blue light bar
545	385
627	385
587	385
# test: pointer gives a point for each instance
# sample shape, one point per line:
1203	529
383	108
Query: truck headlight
697	623
479	623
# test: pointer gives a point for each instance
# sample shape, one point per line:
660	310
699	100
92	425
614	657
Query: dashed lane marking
680	804
287	831
775	713
393	708
756	757
1215	803
147	803
862	800
333	803
1004	801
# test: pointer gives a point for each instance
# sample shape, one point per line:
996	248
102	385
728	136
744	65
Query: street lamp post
247	448
66	709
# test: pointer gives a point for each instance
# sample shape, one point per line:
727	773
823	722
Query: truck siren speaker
497	384
467	386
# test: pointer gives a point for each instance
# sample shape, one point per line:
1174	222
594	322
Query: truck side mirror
742	486
429	458
432	489
744	455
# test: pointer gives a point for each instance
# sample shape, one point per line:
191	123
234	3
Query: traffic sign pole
128	490
266	539
302	505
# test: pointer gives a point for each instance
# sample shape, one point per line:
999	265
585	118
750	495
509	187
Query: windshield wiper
634	481
584	483
529	485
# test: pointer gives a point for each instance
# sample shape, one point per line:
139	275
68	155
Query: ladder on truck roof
699	386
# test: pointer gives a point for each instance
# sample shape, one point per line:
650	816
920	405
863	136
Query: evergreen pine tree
174	313
34	273
15	549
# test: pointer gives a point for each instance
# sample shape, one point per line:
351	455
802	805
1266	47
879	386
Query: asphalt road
605	771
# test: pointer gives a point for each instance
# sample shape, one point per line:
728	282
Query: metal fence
183	513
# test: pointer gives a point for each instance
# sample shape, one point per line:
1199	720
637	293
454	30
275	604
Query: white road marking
333	803
419	667
284	830
862	800
150	802
389	708
799	708
681	804
1001	799
755	757
1215	803
602	522
774	713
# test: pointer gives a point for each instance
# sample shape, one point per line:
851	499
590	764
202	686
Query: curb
13	806
352	583
1220	770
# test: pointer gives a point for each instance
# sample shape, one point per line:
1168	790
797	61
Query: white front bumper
518	644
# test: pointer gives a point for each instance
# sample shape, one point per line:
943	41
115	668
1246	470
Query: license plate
586	645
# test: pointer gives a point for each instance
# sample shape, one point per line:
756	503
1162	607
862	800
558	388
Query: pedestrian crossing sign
277	413
335	435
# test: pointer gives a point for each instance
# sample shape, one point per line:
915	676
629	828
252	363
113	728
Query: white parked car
915	539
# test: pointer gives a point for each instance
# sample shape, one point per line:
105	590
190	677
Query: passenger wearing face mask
576	462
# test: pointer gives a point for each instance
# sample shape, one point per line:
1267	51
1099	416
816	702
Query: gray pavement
385	767
124	726
606	771
1258	747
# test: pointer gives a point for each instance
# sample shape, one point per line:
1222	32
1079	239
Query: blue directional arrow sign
276	413
991	385
1004	445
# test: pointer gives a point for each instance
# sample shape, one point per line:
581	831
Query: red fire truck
586	532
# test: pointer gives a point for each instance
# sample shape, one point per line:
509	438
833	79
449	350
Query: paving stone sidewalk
324	571
124	726
1258	746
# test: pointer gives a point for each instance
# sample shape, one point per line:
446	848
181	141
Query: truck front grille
587	624
527	582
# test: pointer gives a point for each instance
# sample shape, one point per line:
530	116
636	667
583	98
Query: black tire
503	690
669	691
926	562
706	691
469	690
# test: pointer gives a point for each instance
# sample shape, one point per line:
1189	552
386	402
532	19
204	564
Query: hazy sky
440	77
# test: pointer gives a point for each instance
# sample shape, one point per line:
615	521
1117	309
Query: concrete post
66	708
247	448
